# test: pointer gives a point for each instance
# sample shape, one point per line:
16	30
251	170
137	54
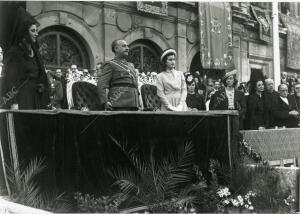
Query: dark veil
16	24
11	14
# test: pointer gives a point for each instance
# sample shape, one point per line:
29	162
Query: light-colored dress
171	89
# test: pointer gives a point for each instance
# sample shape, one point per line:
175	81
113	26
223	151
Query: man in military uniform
117	84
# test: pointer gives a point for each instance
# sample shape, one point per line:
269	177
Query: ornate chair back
85	95
150	99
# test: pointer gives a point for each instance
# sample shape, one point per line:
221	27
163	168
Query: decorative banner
215	22
154	7
293	41
265	23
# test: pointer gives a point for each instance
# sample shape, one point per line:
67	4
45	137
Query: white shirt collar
285	99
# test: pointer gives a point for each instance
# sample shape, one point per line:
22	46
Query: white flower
235	202
226	202
240	198
193	210
247	206
251	208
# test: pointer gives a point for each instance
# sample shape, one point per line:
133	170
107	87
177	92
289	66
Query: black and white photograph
149	107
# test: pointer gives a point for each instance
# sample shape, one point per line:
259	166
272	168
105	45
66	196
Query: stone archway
89	40
148	34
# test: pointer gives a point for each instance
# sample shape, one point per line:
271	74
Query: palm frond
35	167
186	155
127	187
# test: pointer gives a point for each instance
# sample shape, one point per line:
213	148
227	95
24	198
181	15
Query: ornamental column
276	50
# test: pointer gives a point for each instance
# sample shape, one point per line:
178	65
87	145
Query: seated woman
194	100
229	98
171	86
256	115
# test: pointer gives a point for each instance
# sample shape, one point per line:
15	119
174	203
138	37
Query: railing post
229	140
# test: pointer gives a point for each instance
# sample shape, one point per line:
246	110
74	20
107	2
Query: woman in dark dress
256	114
25	78
194	101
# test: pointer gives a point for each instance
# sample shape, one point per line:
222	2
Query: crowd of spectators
59	80
265	106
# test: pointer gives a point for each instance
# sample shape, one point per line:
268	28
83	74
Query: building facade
82	32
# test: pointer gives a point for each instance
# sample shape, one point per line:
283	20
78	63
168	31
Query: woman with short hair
229	98
194	100
256	114
171	86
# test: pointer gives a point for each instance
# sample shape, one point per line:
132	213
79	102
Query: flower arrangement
149	78
246	149
289	201
227	200
89	203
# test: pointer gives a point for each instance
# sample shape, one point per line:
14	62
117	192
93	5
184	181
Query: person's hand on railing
294	113
108	106
14	106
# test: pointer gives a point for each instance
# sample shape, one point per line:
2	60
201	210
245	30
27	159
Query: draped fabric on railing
293	41
215	24
80	150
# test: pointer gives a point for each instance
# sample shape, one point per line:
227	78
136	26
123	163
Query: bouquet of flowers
149	78
227	200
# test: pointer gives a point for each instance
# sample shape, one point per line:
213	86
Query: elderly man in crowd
284	109
118	82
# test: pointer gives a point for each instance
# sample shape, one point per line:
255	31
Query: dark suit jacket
219	101
281	111
270	100
256	112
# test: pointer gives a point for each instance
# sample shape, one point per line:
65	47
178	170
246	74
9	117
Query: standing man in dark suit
284	110
117	84
296	97
270	97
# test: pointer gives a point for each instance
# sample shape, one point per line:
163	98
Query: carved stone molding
157	8
191	34
168	30
124	22
91	15
109	16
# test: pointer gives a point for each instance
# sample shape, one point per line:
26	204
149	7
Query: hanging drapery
265	23
215	24
293	41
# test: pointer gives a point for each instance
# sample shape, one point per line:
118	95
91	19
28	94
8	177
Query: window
145	56
60	49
